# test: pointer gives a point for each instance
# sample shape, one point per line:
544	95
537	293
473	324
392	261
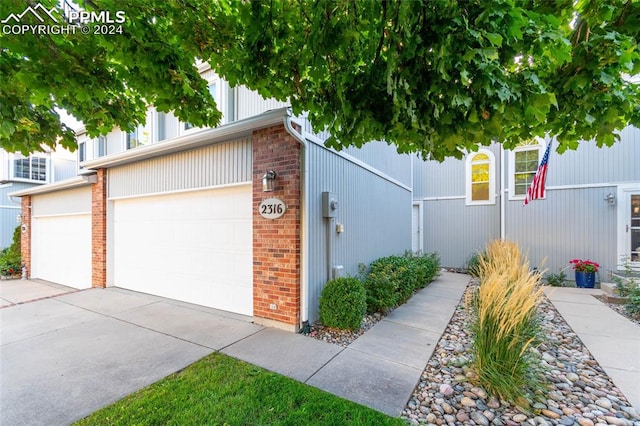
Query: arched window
480	170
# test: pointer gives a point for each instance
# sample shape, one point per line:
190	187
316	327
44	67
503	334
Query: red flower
585	265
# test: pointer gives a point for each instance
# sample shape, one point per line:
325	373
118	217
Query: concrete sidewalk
15	292
613	340
381	368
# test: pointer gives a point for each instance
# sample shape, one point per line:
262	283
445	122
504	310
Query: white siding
214	165
70	201
250	103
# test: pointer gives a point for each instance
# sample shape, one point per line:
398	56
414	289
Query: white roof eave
73	182
197	139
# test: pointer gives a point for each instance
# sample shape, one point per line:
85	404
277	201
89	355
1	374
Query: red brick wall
99	230
25	237
276	243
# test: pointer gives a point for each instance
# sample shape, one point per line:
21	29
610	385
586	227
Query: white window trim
622	221
156	126
420	225
82	144
100	140
492	178
12	170
540	146
140	135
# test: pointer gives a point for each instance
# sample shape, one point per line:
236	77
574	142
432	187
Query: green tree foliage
433	77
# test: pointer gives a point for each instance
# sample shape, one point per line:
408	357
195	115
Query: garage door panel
61	250
195	247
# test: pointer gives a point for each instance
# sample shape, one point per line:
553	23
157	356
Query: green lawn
219	390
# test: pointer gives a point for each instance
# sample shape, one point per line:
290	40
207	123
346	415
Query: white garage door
193	246
61	249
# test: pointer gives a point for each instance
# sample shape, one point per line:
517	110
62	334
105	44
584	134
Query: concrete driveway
64	357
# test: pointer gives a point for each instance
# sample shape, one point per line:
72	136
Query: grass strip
220	390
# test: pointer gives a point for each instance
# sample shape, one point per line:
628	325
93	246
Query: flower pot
585	279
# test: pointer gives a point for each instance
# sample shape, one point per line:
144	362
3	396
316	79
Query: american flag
537	188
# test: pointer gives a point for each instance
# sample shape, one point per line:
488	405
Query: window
31	168
132	139
162	126
523	163
82	152
480	173
101	146
213	91
137	138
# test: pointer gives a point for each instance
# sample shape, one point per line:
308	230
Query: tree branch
382	34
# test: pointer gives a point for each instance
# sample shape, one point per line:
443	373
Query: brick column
276	243
99	230
25	237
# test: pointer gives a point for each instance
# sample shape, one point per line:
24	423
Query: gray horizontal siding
456	231
433	179
573	221
446	179
308	128
384	158
9	210
378	155
8	223
375	213
568	224
590	164
64	169
214	165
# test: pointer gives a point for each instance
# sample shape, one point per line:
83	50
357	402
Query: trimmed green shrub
426	267
380	288
11	258
556	280
343	303
392	280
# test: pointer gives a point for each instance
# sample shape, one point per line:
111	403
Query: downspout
502	196
304	241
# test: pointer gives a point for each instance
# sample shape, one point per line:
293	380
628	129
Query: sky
68	119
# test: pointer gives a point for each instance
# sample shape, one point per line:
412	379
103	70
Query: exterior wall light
268	181
610	199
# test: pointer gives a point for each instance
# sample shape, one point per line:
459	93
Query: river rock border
580	392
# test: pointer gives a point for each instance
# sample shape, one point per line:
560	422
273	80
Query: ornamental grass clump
506	325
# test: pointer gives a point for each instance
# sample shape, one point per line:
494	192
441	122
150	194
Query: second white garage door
61	249
191	246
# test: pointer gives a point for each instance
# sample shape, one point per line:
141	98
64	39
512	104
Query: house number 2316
272	208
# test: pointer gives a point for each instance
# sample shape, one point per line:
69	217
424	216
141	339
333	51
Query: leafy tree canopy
433	77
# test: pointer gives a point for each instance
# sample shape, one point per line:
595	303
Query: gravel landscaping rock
343	337
620	308
581	393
